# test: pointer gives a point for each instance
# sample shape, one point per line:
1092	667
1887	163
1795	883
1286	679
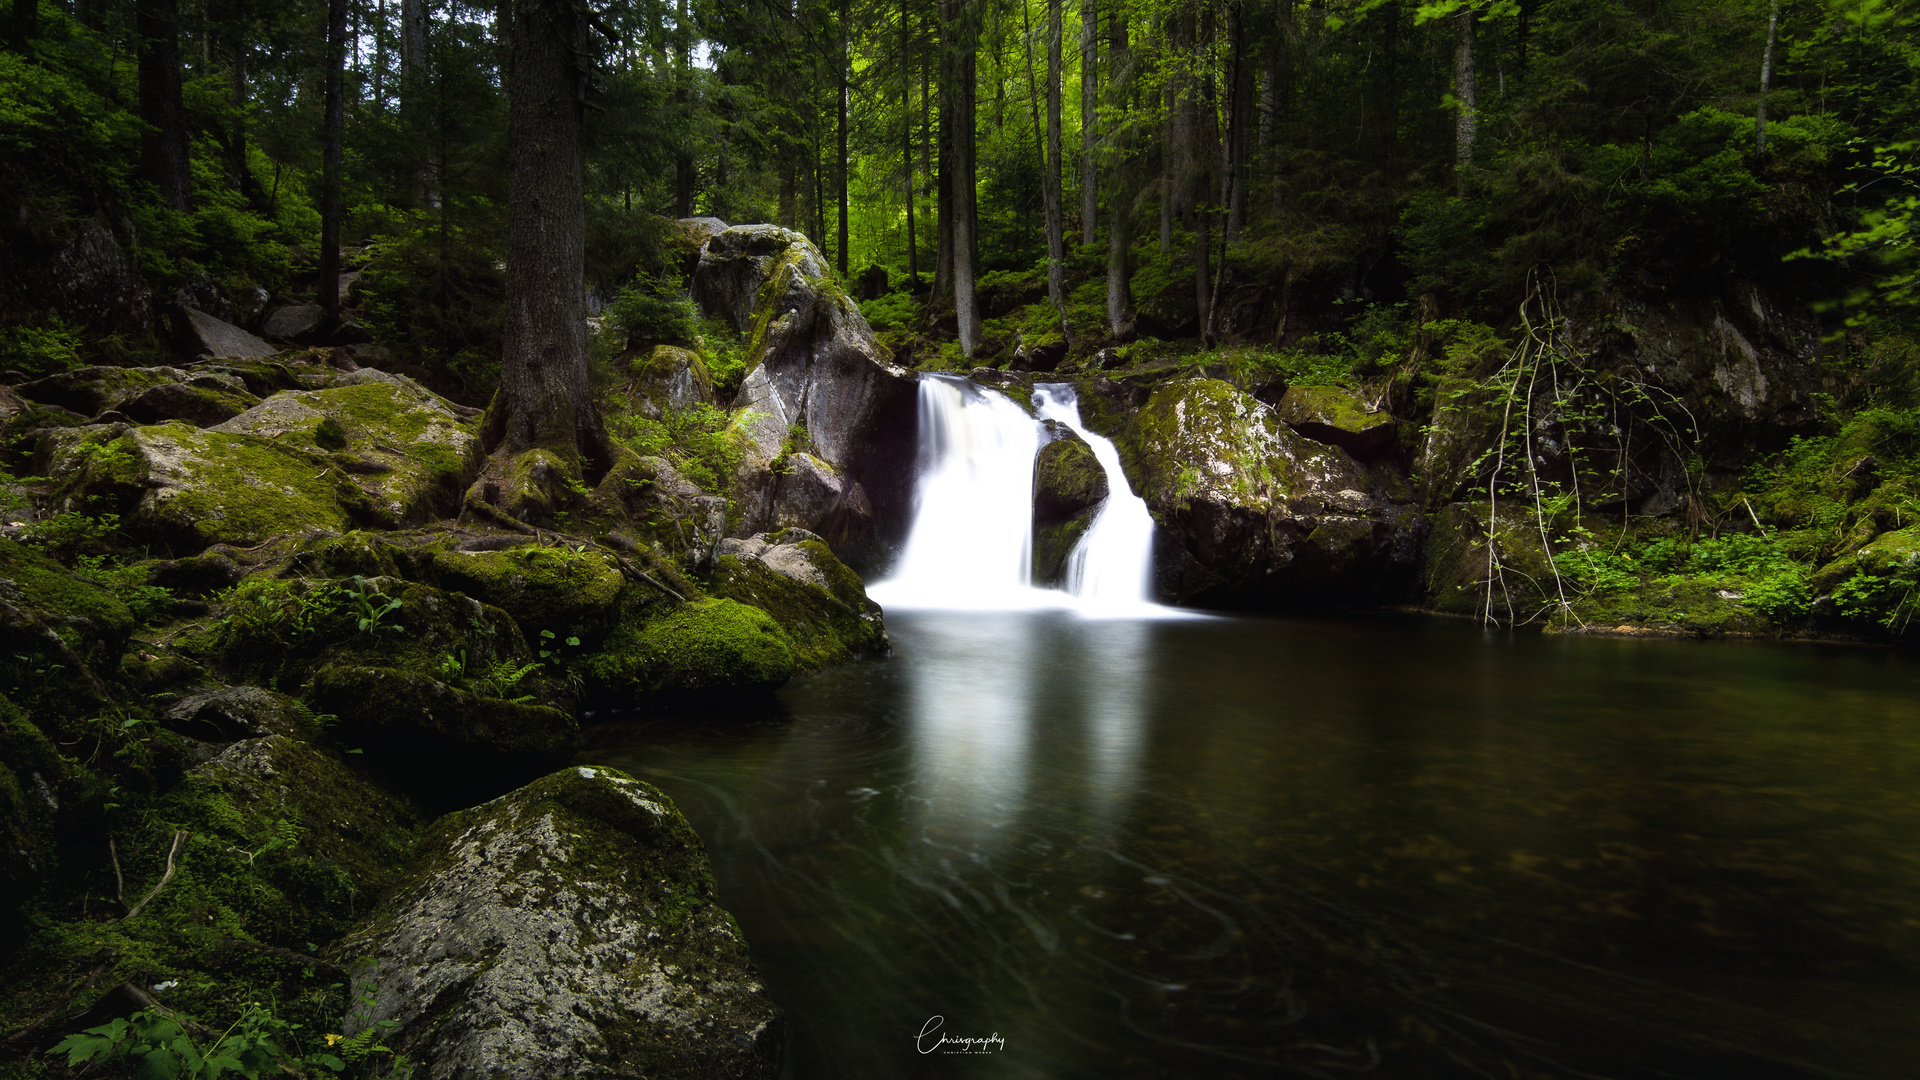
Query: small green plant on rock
165	1047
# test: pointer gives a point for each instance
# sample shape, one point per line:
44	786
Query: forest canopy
986	170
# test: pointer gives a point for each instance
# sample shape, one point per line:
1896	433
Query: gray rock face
293	321
223	340
232	713
807	493
90	391
815	365
567	929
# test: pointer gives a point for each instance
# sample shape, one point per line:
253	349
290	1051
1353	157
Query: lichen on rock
566	929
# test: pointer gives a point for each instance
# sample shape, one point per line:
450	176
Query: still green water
1255	847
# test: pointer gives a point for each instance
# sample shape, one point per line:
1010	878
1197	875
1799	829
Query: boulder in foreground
567	929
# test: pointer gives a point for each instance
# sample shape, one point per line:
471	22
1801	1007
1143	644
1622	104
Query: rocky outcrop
1338	416
806	492
669	380
217	338
1069	487
793	576
1249	512
815	371
710	648
567	929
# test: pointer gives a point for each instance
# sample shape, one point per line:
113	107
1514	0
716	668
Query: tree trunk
685	173
943	180
1051	179
26	26
163	147
415	92
1467	123
906	142
1089	118
1169	171
1119	189
1766	78
335	107
840	62
965	220
544	343
787	193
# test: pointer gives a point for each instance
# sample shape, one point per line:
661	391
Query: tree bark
415	103
163	147
1466	123
1089	118
906	141
25	26
1051	181
841	61
544	344
1119	188
1766	78
685	174
965	220
335	107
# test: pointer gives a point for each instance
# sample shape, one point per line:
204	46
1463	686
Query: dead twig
179	838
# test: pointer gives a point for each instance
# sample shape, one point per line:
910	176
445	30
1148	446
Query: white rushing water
971	543
1111	568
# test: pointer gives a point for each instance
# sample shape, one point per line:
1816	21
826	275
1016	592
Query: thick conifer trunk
544	354
1467	123
960	117
1089	118
1050	178
163	148
335	106
1119	186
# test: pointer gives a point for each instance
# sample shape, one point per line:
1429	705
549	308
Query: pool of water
1249	847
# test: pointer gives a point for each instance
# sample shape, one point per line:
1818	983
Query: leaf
85	1047
327	1061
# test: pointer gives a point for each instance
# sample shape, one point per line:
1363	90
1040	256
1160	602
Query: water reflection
1241	847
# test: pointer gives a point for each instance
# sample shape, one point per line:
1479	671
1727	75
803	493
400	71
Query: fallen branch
179	837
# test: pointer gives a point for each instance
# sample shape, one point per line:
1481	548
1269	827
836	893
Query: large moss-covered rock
404	447
647	501
568	929
713	646
1249	512
1510	583
203	401
807	492
1334	414
815	364
90	391
179	488
52	624
33	778
668	380
567	592
794	577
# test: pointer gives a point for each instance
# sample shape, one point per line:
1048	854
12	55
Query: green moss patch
716	645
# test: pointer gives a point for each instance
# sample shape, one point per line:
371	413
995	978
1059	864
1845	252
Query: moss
822	627
1067	481
89	621
1052	544
708	645
1203	438
571	593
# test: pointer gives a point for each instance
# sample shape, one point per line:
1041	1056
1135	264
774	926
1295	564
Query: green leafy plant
162	1046
371	607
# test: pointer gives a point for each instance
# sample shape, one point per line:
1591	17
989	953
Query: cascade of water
1112	565
971	545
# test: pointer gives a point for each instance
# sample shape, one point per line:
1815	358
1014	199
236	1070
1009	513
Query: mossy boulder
808	493
647	500
1239	498
1458	564
712	646
231	713
568	592
821	604
1885	557
181	489
51	624
668	380
33	777
408	451
203	401
1336	415
90	391
567	929
1069	487
441	743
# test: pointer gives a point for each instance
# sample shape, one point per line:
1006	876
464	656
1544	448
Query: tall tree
1120	74
1051	182
1766	80
1467	122
163	146
1089	117
957	114
906	140
544	401
414	94
335	108
843	59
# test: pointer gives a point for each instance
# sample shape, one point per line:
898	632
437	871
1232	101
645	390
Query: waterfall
971	543
1111	568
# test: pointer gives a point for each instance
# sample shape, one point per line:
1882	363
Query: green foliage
652	311
163	1048
370	607
433	295
66	534
704	443
1887	600
37	351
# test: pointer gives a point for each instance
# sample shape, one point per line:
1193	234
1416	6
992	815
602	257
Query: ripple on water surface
1225	847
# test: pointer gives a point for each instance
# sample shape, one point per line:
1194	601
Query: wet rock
560	590
568	929
648	499
793	576
294	322
1336	415
222	340
1069	486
